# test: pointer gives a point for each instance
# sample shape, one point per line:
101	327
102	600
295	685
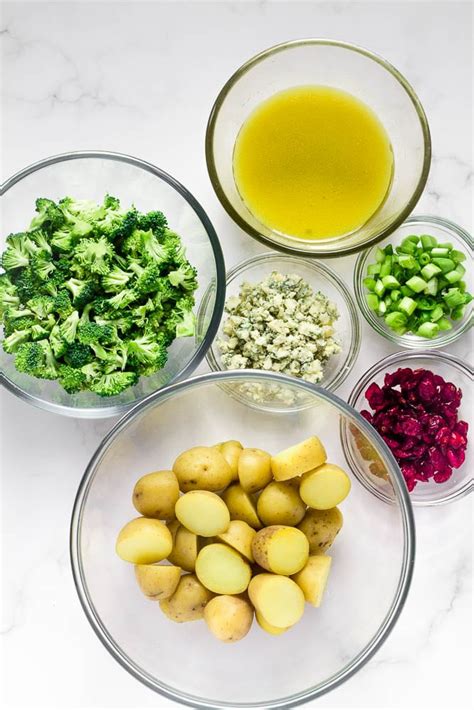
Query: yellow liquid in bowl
313	162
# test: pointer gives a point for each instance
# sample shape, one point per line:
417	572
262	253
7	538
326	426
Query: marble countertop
140	78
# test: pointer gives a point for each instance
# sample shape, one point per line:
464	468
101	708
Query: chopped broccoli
68	327
116	279
82	291
71	378
12	342
78	355
113	383
95	254
184	277
94	333
49	215
62	304
152	247
29	358
42	266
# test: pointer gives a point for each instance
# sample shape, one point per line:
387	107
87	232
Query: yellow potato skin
144	541
298	459
321	528
325	487
188	602
313	577
280	549
185	547
155	495
239	535
278	599
231	451
222	570
263	623
157	581
254	469
202	468
241	506
203	512
228	617
280	504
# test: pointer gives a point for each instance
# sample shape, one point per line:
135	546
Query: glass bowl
452	369
372	559
321	278
90	175
345	66
444	231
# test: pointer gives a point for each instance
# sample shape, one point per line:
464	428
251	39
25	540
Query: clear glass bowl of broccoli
105	263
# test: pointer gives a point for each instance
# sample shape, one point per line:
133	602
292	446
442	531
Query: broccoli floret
156	221
40	238
41	306
133	244
92	371
114	383
49	370
63	240
16	255
57	342
185	277
187	326
140	314
12	342
116	279
124	230
71	379
94	254
26	284
86	210
123	324
175	250
62	271
62	304
29	358
41	266
82	291
146	351
68	328
38	332
122	299
154	251
165	291
49	215
23	323
78	355
94	333
147	281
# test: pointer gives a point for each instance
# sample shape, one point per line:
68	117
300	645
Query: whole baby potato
325	486
280	549
231	451
157	581
228	618
321	528
203	512
143	541
280	504
188	601
277	599
222	570
298	459
241	506
155	495
202	468
185	546
239	535
254	469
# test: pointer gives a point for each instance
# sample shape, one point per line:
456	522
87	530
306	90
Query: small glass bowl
373	555
91	175
364	460
347	327
444	231
344	66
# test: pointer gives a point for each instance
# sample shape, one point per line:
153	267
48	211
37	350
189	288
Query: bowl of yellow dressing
318	147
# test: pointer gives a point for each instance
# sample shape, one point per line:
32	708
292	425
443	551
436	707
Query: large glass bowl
345	66
364	461
444	231
372	558
347	327
91	175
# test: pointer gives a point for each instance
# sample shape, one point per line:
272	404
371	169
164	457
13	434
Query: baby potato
277	599
280	549
222	570
157	581
239	535
241	506
143	541
321	528
203	513
313	577
202	468
269	628
280	504
228	618
231	451
325	487
254	469
188	601
298	459
185	547
155	495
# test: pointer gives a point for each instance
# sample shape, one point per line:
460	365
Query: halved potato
185	547
280	549
188	601
278	599
239	535
143	541
254	469
325	486
313	577
321	528
222	569
202	468
157	581
155	495
231	451
269	628
298	459
203	512
241	506
280	504
228	618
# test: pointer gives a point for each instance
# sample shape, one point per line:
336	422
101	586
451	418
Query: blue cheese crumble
281	325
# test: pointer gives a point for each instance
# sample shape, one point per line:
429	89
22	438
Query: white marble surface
140	78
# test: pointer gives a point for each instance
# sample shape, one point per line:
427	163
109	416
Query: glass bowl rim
200	351
397	359
319	268
126	662
276	49
446	338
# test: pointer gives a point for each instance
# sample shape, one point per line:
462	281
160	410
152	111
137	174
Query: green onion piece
428	330
462	286
460	269
453	276
379	255
390	282
426	303
467	297
432	287
407	261
388	249
407	305
416	284
437	313
386	267
457	256
372	301
439	251
369	283
442	283
454	297
379	288
412	238
424	258
444	324
444	264
427	241
373	269
382	309
406	247
445	245
457	313
396	294
406	290
429	271
396	320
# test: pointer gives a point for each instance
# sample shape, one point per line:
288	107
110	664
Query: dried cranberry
374	396
411	483
456	457
456	440
367	415
448	392
410	426
443	435
462	428
443	475
427	388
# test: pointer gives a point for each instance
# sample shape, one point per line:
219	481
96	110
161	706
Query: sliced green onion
457	313
429	271
427	241
439	251
379	288
379	255
416	284
432	287
444	324
372	301
373	269
390	282
457	256
453	276
428	330
437	313
444	264
407	305
369	283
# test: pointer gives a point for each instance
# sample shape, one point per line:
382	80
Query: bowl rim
276	49
202	347
398	359
377	324
320	268
126	662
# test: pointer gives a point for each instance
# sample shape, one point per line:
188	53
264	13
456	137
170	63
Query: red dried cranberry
457	441
367	415
443	475
427	468
427	388
448	392
411	483
456	457
410	426
374	396
443	435
462	428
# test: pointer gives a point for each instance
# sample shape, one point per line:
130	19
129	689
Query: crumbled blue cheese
279	324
